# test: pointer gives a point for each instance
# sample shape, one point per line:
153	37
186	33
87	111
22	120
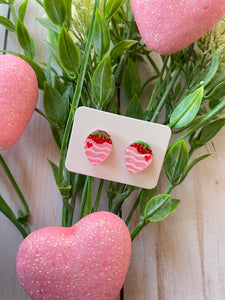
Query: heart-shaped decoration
171	25
18	98
87	261
138	157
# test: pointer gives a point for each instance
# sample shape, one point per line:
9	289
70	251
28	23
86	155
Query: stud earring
97	146
138	157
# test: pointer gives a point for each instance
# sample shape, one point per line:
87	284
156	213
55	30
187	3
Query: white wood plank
182	257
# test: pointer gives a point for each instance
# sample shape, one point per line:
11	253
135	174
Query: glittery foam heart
171	25
87	261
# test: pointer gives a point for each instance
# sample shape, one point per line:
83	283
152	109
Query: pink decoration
18	98
171	25
138	157
98	146
87	261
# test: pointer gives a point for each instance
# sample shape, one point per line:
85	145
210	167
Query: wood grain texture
180	258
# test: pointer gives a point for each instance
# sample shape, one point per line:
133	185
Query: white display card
123	131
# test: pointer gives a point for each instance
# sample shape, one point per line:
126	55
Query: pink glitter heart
18	98
87	261
171	25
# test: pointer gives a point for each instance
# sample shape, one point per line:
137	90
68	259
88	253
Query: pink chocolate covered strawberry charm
138	157
98	146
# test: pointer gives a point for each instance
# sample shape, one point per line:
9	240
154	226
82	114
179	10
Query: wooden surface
180	258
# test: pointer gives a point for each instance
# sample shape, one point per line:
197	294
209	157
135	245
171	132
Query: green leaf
101	80
157	208
53	50
119	198
48	70
57	135
176	161
24	38
56	10
111	7
213	68
209	131
40	3
120	47
192	164
55	170
54	105
134	109
68	52
174	205
59	85
79	180
22	9
187	109
3	2
49	25
68	13
22	217
66	98
101	36
132	80
112	90
4	207
7	23
217	92
146	195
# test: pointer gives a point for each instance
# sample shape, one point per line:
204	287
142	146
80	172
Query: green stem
148	110
14	184
153	64
76	97
73	199
147	82
75	102
169	189
98	195
139	227
41	113
64	216
13	12
163	100
205	119
88	202
15	222
83	200
133	209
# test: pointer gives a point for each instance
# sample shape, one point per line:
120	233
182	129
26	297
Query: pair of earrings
98	146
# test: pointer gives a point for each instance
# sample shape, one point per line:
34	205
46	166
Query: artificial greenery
97	49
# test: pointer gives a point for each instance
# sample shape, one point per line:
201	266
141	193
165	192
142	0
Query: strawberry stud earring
97	146
138	157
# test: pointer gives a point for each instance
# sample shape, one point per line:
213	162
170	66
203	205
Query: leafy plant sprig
97	49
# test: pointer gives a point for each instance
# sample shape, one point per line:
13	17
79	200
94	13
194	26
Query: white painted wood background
180	258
